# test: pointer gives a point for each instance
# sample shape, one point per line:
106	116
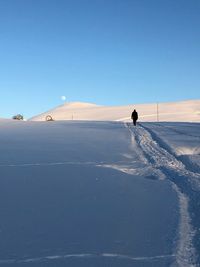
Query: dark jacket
134	115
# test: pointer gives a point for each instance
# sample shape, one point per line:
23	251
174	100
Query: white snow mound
183	111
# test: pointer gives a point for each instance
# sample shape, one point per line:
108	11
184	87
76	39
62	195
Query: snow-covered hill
173	111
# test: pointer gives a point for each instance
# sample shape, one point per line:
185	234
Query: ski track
171	168
192	167
85	255
49	164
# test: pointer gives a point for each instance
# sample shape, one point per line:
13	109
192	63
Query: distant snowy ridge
173	111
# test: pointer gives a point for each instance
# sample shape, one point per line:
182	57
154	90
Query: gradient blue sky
109	52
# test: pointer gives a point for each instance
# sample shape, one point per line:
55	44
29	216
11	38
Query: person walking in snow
134	117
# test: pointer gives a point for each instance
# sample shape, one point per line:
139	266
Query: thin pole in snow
157	105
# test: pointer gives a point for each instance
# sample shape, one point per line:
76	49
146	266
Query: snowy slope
175	111
99	194
3	119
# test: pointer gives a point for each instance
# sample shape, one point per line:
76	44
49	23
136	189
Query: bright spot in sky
63	98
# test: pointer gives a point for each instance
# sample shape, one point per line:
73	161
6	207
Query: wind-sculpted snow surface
95	194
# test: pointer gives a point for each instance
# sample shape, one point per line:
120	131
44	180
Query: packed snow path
185	183
95	194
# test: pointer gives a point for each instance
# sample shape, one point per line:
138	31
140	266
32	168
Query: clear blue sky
109	52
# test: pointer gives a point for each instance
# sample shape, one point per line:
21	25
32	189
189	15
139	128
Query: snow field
89	188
